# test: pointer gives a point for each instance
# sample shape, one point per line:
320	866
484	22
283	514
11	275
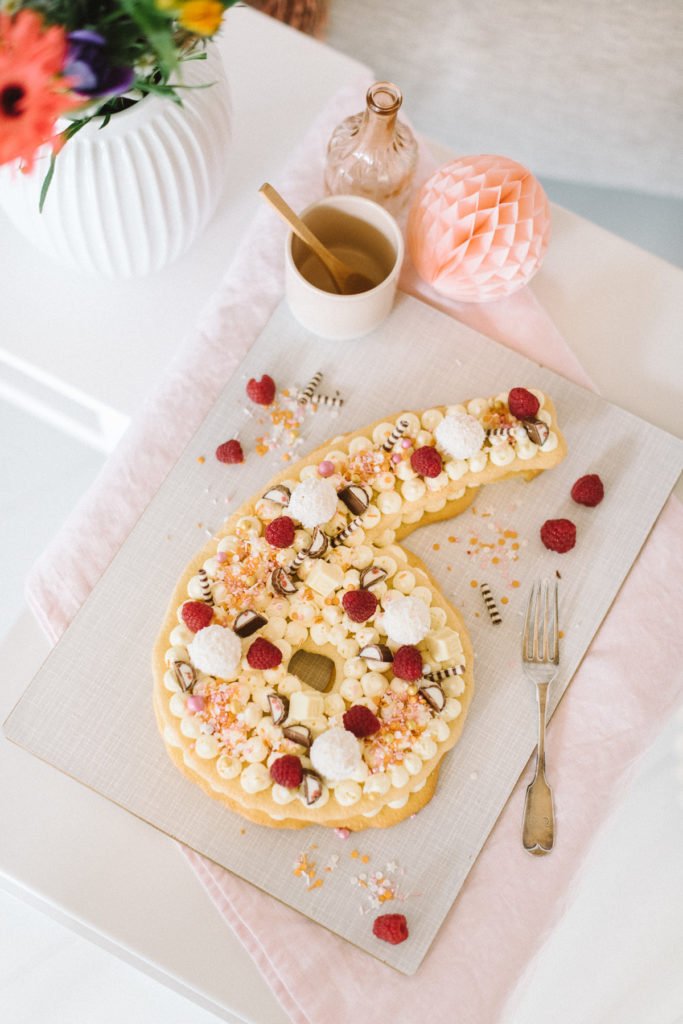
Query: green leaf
199	85
46	183
67	134
159	89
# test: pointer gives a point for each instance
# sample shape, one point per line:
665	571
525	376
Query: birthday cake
309	670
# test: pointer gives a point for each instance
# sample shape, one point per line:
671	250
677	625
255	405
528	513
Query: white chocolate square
304	706
325	577
444	645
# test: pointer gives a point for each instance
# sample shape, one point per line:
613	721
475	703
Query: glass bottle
373	154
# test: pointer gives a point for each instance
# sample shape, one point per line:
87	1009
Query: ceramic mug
369	240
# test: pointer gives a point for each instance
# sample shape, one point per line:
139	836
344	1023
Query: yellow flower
201	16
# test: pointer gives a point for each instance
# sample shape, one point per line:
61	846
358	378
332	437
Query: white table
85	355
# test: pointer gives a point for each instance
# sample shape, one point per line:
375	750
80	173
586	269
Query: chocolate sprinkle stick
444	673
296	562
350	528
305	396
497	433
395	435
207	593
332	402
491	606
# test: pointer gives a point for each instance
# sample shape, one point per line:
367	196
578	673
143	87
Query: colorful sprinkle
306	869
380	887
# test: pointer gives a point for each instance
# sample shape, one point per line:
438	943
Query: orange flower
201	16
32	92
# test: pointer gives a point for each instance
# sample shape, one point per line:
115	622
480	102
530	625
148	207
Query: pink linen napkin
607	719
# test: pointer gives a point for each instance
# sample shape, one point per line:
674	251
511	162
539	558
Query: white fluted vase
129	198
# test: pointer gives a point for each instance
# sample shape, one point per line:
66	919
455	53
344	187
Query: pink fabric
608	717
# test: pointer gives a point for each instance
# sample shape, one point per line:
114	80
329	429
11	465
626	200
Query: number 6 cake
309	670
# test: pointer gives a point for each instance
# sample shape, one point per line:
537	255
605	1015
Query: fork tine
537	609
526	655
556	627
546	609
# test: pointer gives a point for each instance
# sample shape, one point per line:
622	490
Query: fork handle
542	701
538	834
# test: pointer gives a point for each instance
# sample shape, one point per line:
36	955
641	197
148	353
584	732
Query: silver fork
540	659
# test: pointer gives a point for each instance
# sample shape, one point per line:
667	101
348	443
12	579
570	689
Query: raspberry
196	615
391	928
287	771
408	663
359	605
280	533
558	535
523	404
262	654
361	721
230	451
426	461
588	490
261	391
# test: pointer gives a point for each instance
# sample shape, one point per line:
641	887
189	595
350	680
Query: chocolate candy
279	494
316	549
185	675
282	583
537	431
300	734
377	652
355	498
315	670
319	544
248	622
312	786
372	575
279	707
434	696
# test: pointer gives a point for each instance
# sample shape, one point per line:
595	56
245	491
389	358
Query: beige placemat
89	713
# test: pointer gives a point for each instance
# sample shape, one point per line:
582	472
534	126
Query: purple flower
88	67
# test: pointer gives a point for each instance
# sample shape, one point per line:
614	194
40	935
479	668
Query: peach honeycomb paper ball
479	228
